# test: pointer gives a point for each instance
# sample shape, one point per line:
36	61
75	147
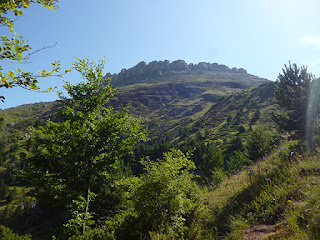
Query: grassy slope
164	104
280	193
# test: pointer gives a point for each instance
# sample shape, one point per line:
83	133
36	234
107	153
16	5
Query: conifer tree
292	92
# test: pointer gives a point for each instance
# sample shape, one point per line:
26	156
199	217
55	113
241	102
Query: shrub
165	195
8	234
258	144
237	161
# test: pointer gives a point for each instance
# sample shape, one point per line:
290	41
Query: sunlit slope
167	105
174	102
276	198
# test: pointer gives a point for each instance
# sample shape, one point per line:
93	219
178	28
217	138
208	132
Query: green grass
282	191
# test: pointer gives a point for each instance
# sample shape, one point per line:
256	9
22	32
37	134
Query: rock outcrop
143	72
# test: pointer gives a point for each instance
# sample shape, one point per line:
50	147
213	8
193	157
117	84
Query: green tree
165	195
292	92
236	161
8	234
241	129
258	144
212	160
68	159
14	49
255	116
3	189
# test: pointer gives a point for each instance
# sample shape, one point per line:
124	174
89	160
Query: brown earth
258	232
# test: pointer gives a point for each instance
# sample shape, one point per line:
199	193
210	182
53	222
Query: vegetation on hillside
220	169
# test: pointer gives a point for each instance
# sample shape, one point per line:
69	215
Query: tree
236	161
255	116
66	160
258	144
292	92
212	161
13	48
164	196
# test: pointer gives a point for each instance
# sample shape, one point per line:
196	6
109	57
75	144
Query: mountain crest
143	72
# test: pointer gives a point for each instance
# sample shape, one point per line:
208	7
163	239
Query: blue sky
258	35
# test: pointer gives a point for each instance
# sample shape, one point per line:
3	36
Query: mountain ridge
143	72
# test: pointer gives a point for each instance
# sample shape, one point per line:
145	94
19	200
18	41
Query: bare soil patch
258	232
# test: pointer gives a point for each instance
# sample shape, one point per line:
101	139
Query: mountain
155	70
169	98
179	104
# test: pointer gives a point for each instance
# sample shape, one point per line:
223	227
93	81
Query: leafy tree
292	92
14	49
165	195
8	234
66	160
12	194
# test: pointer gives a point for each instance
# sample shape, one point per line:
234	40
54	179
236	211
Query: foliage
259	144
94	234
237	161
212	160
241	129
8	234
255	116
69	159
165	195
292	92
80	217
15	50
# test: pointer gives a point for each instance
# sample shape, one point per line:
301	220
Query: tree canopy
66	159
292	92
14	49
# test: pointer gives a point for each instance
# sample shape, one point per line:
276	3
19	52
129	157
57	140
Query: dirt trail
258	232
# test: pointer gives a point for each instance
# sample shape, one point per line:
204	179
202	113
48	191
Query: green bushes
237	161
163	197
8	234
258	144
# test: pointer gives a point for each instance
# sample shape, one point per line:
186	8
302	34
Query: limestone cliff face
143	72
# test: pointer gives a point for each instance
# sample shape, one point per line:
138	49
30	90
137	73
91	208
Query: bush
237	161
212	160
259	144
8	234
164	196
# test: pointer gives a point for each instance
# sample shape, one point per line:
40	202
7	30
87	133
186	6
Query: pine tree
292	92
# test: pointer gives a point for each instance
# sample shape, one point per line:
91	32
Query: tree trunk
86	211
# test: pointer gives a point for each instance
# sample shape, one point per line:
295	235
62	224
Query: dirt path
258	232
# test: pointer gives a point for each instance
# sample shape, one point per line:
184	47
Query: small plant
81	218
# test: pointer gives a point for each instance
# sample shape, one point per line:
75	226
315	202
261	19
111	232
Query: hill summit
144	72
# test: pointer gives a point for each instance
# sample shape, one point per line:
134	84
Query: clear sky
257	35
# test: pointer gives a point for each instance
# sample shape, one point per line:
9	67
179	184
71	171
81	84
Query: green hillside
234	176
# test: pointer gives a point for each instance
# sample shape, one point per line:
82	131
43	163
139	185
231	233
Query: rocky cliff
144	72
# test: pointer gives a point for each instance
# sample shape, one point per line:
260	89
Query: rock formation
143	72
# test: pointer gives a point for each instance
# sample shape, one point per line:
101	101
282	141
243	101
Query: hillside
275	198
249	184
179	96
209	98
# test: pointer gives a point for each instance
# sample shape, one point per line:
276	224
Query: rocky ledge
157	69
